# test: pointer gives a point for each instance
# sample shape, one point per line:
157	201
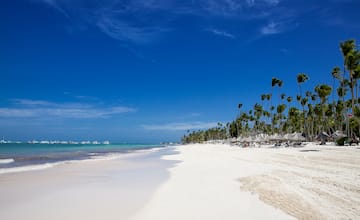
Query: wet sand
94	189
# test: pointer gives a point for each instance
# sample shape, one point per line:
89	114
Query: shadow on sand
309	150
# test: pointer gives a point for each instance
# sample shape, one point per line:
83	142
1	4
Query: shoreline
92	189
197	181
38	161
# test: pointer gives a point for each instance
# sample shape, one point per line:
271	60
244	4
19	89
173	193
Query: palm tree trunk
352	83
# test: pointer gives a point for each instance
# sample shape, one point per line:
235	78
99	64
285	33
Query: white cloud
31	102
271	28
16	112
183	126
125	31
220	33
54	4
222	7
235	8
267	2
272	2
26	108
145	21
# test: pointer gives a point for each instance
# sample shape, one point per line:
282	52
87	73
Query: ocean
16	157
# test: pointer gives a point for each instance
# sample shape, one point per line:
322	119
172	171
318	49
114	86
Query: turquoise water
20	155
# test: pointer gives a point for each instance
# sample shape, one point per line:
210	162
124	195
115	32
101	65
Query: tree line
324	109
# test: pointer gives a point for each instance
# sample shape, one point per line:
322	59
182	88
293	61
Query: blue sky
148	70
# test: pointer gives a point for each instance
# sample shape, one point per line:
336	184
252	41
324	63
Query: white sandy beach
92	189
200	182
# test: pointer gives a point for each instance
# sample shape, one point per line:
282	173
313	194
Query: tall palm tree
280	109
273	84
323	91
301	78
279	83
237	121
336	74
263	97
268	98
258	112
351	58
348	49
352	64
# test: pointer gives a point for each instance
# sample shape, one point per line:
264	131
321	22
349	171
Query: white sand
211	182
200	182
97	189
205	185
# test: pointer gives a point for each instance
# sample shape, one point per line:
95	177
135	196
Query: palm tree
237	121
352	64
263	97
351	58
349	54
279	83
289	99
301	78
280	109
258	111
268	98
336	74
323	92
273	84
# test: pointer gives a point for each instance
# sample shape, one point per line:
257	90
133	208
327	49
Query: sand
224	182
312	183
94	189
201	181
205	185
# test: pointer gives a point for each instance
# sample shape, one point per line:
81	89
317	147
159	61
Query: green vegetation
317	114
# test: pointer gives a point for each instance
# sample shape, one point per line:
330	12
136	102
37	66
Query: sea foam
26	168
4	161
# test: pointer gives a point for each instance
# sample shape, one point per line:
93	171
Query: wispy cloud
222	8
252	3
124	31
220	33
54	4
26	108
142	22
182	126
271	28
